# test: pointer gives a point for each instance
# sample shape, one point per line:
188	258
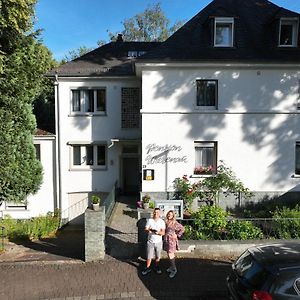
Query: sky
69	24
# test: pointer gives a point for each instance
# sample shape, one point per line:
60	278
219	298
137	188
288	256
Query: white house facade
45	200
224	87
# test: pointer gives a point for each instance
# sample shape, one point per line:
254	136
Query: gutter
58	147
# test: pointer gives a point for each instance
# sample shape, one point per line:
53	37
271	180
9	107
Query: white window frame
202	144
84	165
83	102
295	23
224	21
207	107
297	150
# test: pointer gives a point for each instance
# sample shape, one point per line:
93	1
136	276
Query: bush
35	228
286	222
242	230
209	222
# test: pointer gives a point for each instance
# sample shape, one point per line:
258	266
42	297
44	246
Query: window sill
88	169
201	175
295	176
95	114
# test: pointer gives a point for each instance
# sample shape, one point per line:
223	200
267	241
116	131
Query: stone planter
96	206
146	205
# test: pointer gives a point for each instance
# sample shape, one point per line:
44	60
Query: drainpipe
57	131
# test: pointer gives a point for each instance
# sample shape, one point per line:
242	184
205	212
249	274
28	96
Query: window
288	33
223	33
134	54
205	157
297	166
88	156
207	93
37	151
88	101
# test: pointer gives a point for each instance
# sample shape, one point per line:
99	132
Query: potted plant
96	202
146	199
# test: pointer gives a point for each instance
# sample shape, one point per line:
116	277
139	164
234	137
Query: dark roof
41	132
256	32
109	60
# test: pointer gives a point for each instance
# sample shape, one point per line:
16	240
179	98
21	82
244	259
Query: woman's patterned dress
171	242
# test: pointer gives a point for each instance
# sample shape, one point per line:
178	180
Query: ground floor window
205	157
88	156
297	166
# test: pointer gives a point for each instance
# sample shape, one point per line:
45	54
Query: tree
147	26
23	61
73	54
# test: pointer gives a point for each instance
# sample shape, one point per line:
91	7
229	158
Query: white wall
44	200
256	125
92	128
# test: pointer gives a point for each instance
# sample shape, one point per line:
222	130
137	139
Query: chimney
120	37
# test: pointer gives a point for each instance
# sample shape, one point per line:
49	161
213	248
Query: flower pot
96	206
146	205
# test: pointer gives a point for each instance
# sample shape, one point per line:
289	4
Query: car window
250	270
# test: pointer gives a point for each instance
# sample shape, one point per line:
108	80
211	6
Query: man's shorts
154	249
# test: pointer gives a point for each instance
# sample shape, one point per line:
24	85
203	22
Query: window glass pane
206	92
101	100
89	155
224	34
205	158
88	96
101	155
297	169
286	34
38	151
76	155
76	100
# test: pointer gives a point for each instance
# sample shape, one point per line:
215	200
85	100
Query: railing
74	211
242	229
2	238
110	202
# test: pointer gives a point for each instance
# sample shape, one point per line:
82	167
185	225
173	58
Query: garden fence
242	228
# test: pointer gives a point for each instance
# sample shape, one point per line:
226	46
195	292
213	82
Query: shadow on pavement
67	244
196	279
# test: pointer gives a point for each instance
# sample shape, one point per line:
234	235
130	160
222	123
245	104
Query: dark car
268	272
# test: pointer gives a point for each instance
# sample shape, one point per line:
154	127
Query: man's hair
156	208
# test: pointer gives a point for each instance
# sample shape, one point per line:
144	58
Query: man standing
155	227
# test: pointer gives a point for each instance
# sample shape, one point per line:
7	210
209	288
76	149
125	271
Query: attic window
134	54
223	32
288	32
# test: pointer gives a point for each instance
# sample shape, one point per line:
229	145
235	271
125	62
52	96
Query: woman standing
174	230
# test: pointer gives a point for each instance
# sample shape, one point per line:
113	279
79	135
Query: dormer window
223	32
134	54
288	33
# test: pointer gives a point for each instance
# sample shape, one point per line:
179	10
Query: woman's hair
174	216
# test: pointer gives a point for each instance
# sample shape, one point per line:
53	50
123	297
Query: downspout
57	131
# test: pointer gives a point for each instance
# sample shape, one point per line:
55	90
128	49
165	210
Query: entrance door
131	175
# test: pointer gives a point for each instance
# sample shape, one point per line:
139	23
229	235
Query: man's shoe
173	273
158	270
146	271
169	270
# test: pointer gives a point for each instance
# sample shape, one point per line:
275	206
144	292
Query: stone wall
94	234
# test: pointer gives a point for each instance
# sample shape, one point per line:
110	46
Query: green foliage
73	54
151	205
242	230
212	223
96	199
186	191
211	220
35	228
146	198
24	60
224	181
286	222
147	26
